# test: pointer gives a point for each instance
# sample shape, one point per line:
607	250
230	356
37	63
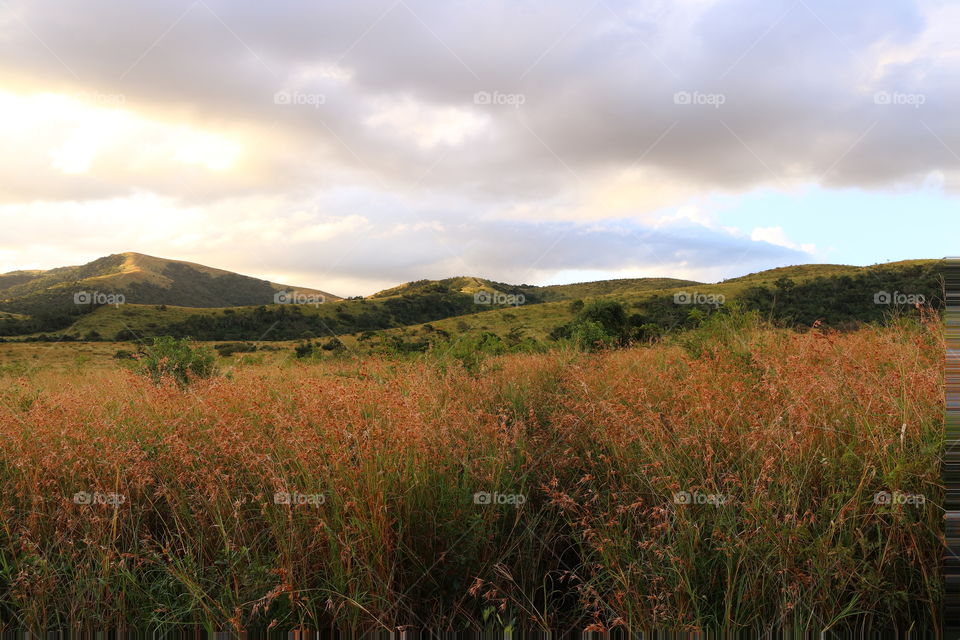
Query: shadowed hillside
57	297
212	304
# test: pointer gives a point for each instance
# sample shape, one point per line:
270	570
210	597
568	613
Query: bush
178	358
229	348
304	349
125	335
334	344
600	324
589	335
472	349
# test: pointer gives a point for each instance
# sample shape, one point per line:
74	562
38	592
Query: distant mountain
140	279
170	297
840	295
532	293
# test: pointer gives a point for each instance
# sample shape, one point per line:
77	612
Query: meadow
736	476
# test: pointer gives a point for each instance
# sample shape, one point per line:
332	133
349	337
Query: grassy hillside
623	286
534	294
860	283
139	279
427	309
56	300
274	321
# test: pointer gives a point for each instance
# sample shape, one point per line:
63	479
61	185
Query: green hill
533	293
56	298
219	305
840	295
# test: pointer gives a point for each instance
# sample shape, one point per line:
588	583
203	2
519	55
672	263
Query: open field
29	358
732	476
540	320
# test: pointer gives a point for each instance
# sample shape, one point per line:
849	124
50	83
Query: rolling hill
842	295
533	293
139	279
169	297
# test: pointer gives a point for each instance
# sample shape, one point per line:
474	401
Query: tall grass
797	432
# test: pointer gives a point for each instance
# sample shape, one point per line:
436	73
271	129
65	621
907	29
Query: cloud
777	236
597	84
355	123
326	246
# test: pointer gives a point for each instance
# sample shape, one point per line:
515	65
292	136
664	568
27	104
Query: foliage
177	358
229	348
845	301
590	335
305	349
472	349
602	323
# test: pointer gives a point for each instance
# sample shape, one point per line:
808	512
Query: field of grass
735	476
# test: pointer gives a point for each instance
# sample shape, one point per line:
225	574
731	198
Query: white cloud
424	125
177	145
777	236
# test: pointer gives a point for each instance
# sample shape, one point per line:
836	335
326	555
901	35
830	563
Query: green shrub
178	358
602	323
230	348
334	344
471	349
590	335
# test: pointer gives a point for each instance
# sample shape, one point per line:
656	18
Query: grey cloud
598	83
521	252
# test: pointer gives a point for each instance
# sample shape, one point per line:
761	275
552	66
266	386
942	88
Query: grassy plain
734	476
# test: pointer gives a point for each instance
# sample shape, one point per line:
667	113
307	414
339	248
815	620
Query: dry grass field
732	477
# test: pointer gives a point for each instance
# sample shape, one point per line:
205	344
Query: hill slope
533	293
140	279
424	308
838	294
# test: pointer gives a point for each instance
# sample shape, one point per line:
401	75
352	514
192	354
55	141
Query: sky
354	146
